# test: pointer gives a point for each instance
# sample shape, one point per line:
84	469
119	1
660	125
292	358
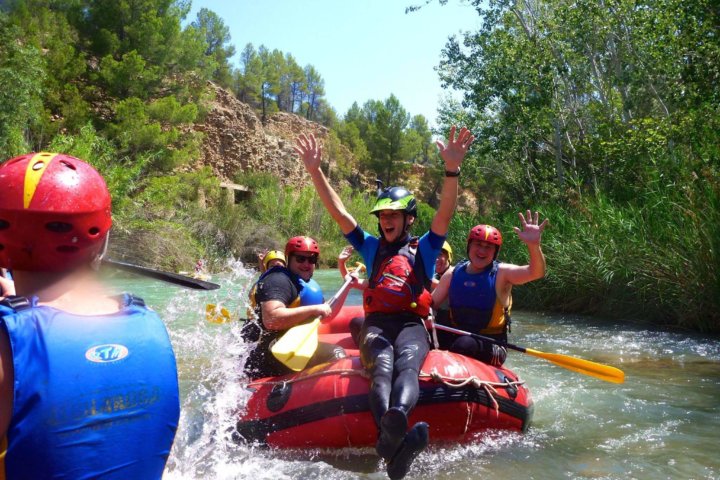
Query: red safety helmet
54	212
486	233
301	244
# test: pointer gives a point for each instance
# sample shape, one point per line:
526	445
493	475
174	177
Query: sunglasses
302	259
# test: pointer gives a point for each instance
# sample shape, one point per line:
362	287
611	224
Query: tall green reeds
655	258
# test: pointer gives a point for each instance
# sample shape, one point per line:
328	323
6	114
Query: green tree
217	36
315	86
271	62
419	127
22	75
584	94
387	122
248	83
149	27
130	76
292	85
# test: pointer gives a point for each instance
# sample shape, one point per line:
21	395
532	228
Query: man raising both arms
393	340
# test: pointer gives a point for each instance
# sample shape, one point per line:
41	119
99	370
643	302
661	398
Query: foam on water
661	423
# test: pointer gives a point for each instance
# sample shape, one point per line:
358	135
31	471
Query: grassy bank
654	258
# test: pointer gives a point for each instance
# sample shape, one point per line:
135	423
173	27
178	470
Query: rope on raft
489	387
299	378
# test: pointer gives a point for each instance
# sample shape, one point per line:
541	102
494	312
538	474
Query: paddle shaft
340	291
480	337
174	278
586	367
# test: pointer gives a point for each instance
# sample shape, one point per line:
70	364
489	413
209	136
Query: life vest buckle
16	302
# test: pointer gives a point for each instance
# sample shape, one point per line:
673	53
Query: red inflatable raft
327	406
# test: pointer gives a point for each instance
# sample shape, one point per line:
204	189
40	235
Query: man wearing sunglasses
286	296
393	340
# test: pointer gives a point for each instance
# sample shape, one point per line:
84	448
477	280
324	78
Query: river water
663	422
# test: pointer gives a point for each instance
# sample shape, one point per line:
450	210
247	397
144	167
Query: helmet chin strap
95	264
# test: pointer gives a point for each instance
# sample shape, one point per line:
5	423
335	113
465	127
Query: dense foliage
603	115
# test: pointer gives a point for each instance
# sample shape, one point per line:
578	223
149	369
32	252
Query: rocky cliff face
237	141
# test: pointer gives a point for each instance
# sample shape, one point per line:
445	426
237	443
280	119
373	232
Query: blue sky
364	49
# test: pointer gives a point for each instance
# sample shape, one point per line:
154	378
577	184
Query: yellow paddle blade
597	370
295	348
215	315
359	267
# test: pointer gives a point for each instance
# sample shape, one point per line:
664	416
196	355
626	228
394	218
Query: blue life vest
474	305
310	292
261	362
94	397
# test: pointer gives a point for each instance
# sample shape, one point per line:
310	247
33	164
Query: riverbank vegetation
604	116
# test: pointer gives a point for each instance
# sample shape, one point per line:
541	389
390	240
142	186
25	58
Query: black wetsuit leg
355	327
393	349
411	347
376	354
326	352
486	352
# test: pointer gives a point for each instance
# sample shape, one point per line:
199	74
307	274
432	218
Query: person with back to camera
77	399
479	290
285	297
393	339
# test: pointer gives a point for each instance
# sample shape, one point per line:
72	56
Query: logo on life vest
111	352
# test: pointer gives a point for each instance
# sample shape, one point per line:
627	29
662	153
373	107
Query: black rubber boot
393	426
415	442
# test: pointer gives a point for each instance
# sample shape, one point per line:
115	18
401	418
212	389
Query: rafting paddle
174	278
295	348
586	367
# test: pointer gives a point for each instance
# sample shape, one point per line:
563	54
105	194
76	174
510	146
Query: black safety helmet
395	198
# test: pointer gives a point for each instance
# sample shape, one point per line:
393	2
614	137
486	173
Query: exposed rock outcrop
237	141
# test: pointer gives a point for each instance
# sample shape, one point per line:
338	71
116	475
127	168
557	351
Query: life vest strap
16	302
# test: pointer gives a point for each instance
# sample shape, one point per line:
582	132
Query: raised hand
345	253
531	231
454	152
311	153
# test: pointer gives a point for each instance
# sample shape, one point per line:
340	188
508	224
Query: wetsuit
94	397
393	339
280	284
474	307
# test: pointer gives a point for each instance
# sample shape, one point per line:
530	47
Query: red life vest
396	285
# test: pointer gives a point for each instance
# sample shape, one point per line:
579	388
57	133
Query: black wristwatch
452	174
